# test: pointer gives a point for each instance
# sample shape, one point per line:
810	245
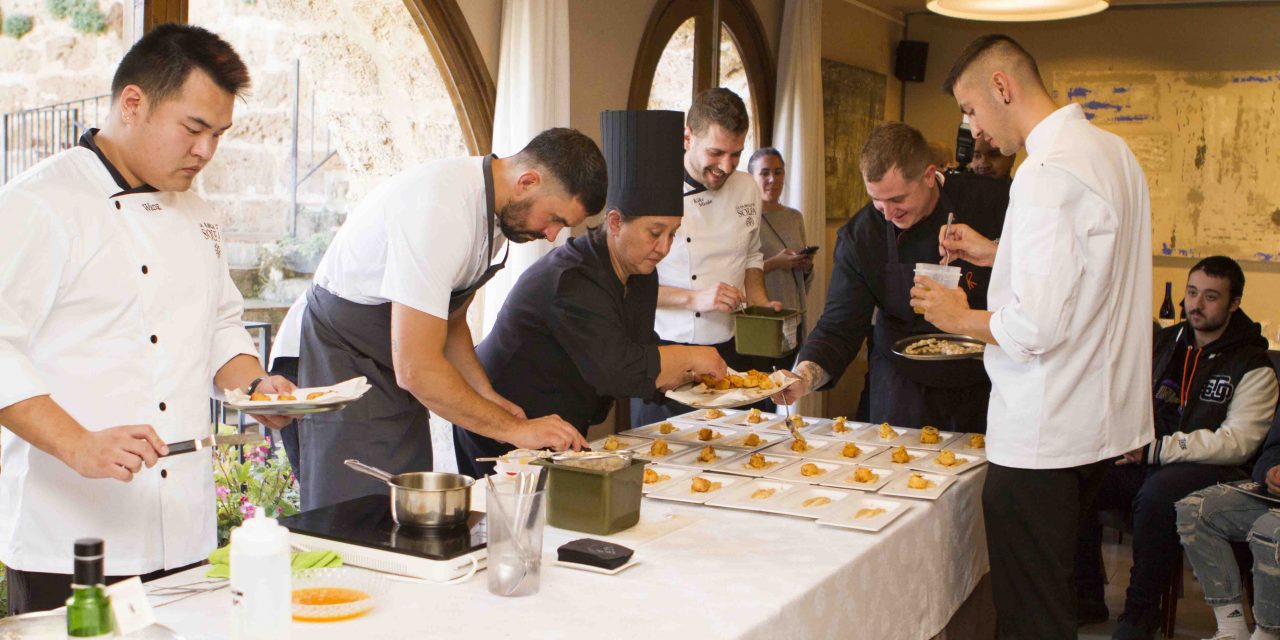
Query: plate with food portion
971	442
706	434
917	484
813	502
939	347
735	389
802	448
752	440
299	401
666	429
617	442
697	488
757	494
657	476
660	450
755	464
860	477
846	451
751	419
926	438
948	462
899	457
809	471
704	457
839	427
883	433
865	513
706	415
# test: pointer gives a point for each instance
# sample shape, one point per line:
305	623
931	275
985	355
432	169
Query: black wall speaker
909	67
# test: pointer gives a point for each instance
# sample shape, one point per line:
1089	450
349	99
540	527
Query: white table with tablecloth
702	572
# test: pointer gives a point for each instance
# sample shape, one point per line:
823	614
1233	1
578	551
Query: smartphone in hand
808	251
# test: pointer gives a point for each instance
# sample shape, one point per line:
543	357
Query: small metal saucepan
427	499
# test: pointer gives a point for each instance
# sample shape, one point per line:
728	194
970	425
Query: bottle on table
261	596
89	607
1166	308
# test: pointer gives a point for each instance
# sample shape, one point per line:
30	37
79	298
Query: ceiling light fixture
1016	10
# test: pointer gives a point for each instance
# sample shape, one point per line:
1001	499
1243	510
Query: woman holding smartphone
788	265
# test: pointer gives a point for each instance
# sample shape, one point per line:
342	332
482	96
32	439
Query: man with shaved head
1067	323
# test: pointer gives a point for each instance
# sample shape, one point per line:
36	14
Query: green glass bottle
89	607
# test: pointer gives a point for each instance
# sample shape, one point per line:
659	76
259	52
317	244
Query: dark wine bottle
1166	308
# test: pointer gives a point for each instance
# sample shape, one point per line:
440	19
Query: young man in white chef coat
1068	324
117	317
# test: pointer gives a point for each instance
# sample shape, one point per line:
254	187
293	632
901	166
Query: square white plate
742	420
871	435
792	472
675	475
846	516
676	448
739	497
844	479
885	458
962	444
655	430
898	486
816	445
766	438
811	424
851	427
682	491
964	462
624	442
912	439
717	435
689	458
699	416
741	467
835	451
794	502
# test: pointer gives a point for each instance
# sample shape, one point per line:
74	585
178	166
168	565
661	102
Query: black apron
953	395
387	428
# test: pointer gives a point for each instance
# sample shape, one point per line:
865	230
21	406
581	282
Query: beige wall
1220	38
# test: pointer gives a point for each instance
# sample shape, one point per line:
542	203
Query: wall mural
852	103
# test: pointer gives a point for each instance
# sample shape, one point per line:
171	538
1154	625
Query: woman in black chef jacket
577	329
875	257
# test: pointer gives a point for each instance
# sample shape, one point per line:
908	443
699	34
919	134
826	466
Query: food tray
900	347
335	397
696	394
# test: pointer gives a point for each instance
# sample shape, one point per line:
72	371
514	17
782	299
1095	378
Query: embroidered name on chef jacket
151	206
748	213
1217	389
211	233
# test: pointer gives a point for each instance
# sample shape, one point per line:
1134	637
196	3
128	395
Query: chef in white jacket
117	318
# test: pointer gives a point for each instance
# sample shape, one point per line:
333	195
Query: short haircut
992	44
160	62
574	161
718	106
894	144
1223	267
761	154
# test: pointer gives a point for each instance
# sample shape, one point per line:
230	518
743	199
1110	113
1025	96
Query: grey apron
387	428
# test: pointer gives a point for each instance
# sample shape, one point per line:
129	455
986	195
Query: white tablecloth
723	574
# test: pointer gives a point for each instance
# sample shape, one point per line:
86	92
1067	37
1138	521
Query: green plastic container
761	331
593	501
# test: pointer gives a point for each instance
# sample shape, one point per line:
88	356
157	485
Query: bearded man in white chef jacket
117	318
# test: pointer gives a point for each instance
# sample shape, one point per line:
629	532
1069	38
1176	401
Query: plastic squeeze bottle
261	596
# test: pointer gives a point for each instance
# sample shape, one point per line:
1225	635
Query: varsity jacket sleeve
1253	404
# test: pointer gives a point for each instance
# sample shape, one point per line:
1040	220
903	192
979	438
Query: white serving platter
846	516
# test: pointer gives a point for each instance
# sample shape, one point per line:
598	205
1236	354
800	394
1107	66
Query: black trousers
1032	516
643	413
31	591
1148	493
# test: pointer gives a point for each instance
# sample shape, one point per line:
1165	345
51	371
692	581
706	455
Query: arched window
679	57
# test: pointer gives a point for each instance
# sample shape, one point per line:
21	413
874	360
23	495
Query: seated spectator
1215	396
1210	520
988	161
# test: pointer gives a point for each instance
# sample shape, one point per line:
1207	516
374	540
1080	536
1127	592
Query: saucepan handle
369	471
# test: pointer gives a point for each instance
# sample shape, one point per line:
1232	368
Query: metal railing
31	135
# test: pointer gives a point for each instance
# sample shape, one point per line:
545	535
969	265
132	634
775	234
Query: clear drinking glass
515	528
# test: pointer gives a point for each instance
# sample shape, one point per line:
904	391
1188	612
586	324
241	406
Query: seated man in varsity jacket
1215	395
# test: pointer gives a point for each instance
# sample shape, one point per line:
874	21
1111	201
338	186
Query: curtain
797	135
533	95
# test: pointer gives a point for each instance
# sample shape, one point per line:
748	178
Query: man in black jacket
1215	396
1211	519
874	265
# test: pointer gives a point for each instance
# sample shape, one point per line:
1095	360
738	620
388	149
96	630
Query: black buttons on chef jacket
144	269
695	277
164	473
154	339
697	314
117	204
163	406
688	239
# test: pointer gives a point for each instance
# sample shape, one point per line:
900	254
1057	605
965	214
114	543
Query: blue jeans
1211	519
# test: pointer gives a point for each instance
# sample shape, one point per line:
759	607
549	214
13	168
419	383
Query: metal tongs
795	433
946	255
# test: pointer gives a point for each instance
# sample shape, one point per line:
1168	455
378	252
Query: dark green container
761	331
593	501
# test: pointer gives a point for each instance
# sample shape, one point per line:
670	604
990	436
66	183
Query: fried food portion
708	454
798	421
282	397
799	445
947	458
713	414
652	477
869	512
666	428
816	501
752	440
810	470
754	417
887	432
659	448
917	481
838	425
900	455
763	494
936	347
864	475
850	450
750	380
929	435
316	394
978	441
758	461
258	396
706	434
703	485
612	444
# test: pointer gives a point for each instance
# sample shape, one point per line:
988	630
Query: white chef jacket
718	240
1070	291
414	240
119	305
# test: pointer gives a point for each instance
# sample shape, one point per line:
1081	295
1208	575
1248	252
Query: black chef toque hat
645	155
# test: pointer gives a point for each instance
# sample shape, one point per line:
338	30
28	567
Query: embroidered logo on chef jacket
748	213
1217	389
211	233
